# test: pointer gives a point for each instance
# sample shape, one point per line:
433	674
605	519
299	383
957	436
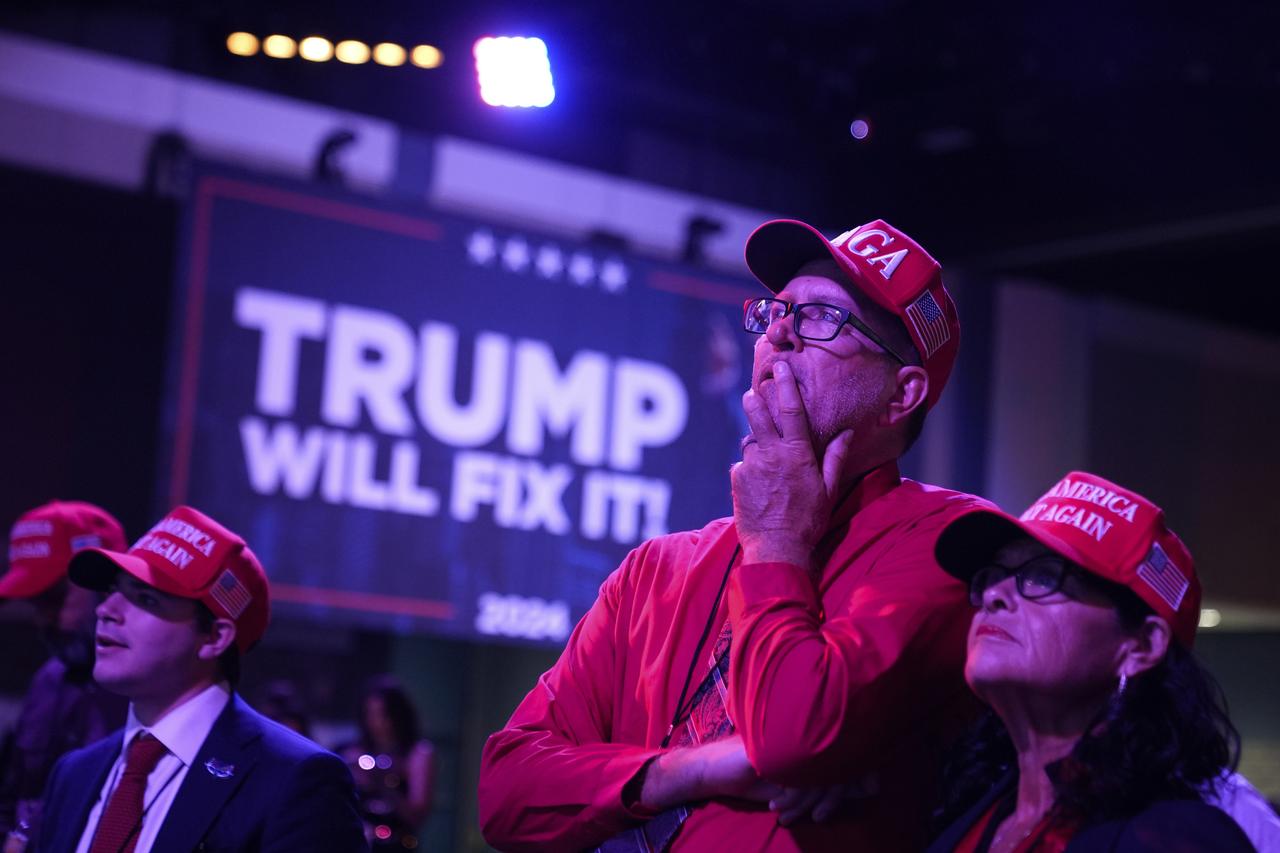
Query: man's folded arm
816	700
549	779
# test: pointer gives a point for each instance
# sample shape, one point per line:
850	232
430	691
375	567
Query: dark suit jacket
1169	826
285	793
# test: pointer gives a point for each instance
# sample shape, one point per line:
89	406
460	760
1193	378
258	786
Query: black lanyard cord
681	710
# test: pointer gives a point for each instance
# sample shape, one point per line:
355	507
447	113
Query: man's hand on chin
782	493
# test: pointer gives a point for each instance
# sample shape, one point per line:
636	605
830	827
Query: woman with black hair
392	765
1104	732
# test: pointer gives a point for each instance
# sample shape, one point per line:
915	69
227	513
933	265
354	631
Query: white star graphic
581	269
481	247
613	275
549	261
515	255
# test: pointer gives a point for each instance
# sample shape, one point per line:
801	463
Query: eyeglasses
1039	577
814	321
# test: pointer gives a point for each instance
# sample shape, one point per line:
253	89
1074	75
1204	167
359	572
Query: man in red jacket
784	679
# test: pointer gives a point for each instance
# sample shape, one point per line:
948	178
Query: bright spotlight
388	53
315	49
860	129
426	56
279	47
242	44
514	72
1210	618
351	52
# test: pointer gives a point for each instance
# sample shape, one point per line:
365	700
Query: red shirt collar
874	484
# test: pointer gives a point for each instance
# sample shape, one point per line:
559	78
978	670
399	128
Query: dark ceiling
1129	147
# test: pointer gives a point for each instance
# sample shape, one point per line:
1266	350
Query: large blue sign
424	422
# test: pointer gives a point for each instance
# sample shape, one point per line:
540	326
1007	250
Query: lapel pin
219	770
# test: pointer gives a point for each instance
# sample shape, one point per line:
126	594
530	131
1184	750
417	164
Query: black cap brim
779	248
970	541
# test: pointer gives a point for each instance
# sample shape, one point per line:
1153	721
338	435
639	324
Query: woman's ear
1146	648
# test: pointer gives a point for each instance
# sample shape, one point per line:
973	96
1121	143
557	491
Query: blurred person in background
394	767
282	702
64	709
1104	731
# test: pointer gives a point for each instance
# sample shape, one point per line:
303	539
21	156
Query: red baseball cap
42	541
1105	529
190	555
881	262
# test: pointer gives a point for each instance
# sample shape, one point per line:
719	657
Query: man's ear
1147	648
909	394
222	634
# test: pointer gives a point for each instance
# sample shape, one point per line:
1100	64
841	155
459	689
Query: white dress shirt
183	731
1236	796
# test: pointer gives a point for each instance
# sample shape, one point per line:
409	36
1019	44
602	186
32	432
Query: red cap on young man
190	555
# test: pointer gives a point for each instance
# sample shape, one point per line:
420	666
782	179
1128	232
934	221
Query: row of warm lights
350	51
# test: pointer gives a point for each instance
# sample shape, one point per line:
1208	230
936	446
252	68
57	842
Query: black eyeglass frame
847	318
1062	569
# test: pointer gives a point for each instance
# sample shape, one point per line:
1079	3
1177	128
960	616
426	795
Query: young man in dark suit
195	768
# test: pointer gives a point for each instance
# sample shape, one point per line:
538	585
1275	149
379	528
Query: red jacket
859	675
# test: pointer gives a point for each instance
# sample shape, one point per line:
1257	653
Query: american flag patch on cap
1165	578
230	594
930	322
88	540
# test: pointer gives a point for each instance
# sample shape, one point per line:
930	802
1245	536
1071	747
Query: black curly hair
1167	736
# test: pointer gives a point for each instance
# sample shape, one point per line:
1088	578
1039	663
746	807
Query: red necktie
121	820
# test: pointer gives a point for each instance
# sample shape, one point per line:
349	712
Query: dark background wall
86	285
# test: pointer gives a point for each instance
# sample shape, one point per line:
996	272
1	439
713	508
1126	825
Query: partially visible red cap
1104	528
42	541
190	555
882	262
